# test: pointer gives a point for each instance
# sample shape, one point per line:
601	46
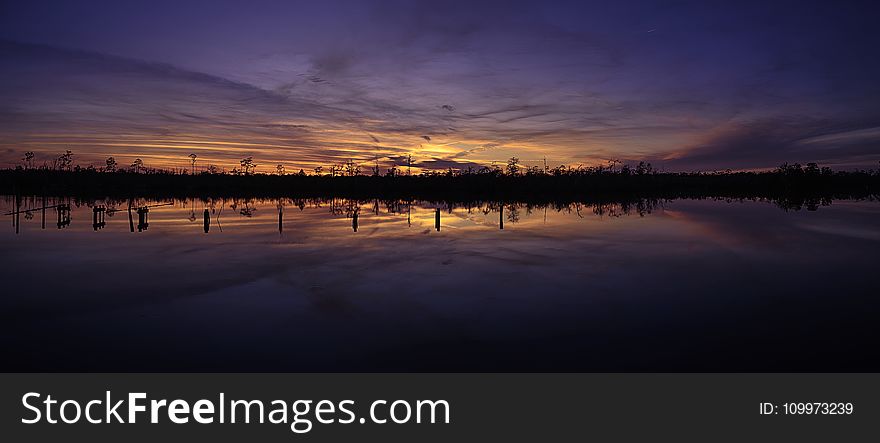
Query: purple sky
685	85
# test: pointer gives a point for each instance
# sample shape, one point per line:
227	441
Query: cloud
722	86
104	105
769	142
441	163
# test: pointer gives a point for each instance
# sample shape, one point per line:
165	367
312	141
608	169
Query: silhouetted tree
351	169
612	164
65	161
280	169
248	165
192	158
513	166
111	164
137	165
29	159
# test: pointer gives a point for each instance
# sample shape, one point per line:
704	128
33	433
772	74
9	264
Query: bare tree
351	169
29	160
612	164
318	170
248	165
513	166
111	164
137	165
280	169
192	158
65	161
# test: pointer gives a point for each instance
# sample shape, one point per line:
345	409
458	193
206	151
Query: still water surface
337	285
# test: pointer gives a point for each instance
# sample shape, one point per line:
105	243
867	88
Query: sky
684	85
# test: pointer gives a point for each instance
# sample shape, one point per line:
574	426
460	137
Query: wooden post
437	219
130	220
98	217
143	223
501	217
16	218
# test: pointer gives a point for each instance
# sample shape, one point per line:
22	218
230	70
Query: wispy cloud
723	86
770	142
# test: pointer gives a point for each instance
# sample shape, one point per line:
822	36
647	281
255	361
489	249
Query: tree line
512	168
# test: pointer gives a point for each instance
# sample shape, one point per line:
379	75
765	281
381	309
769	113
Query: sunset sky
686	85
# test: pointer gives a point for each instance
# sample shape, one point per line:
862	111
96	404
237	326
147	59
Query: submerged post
437	219
130	220
207	218
98	217
354	222
501	217
63	215
143	223
16	218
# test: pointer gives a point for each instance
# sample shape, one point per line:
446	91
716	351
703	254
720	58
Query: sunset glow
685	86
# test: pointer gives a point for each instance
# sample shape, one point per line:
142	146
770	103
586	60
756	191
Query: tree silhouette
192	158
111	164
29	160
351	169
248	165
513	166
137	165
65	161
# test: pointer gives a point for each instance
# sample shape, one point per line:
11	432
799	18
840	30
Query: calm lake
337	285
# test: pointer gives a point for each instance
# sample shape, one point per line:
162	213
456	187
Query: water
686	285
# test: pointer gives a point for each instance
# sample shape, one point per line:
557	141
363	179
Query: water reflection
174	210
339	284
